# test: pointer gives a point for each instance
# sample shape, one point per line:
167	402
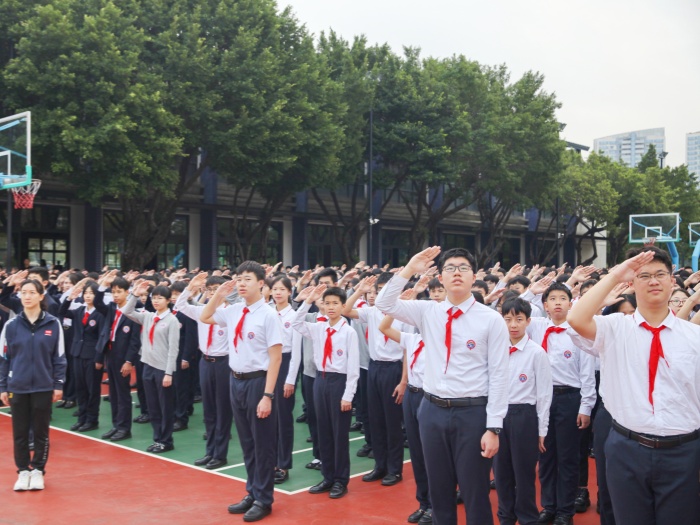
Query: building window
173	252
47	251
113	243
228	253
395	245
456	240
322	247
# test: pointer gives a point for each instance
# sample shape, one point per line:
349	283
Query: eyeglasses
464	268
212	289
677	302
646	277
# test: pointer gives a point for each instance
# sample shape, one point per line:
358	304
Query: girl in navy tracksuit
32	374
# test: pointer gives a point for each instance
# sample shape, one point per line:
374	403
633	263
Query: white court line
188	465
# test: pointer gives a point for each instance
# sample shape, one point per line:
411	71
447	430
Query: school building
63	230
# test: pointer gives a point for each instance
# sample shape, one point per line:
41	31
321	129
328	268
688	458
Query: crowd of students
476	371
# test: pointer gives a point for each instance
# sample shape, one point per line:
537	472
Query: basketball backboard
694	233
15	150
664	227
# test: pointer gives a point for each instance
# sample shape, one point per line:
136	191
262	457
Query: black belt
214	358
565	390
456	402
415	389
249	375
650	441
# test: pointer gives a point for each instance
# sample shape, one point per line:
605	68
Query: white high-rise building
692	152
630	147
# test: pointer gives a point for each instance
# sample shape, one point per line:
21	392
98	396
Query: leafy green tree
649	160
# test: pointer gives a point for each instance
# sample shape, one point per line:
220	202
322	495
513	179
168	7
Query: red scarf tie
417	353
513	349
238	334
321	319
117	315
550	330
86	316
153	327
328	347
452	314
657	351
210	337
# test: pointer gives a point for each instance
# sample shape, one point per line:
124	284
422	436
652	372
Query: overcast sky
615	65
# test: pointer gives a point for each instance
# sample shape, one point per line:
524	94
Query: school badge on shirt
522	378
339	352
251	335
471	344
568	354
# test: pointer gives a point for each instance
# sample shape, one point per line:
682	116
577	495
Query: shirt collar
466	305
565	324
523	343
669	322
253	307
284	311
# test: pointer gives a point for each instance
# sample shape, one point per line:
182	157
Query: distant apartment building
692	152
630	147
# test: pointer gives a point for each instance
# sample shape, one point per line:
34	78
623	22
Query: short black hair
42	272
557	287
478	297
659	255
91	285
457	252
214	280
120	282
178	286
252	267
434	284
517	306
490	278
588	283
480	284
383	278
627	298
519	279
162	291
284	280
334	291
327	272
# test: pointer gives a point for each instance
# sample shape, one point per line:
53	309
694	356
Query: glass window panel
61	245
47	244
34	243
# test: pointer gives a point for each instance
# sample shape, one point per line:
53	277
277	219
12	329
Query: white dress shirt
345	358
624	348
261	330
292	342
380	348
570	365
530	377
411	343
219	334
478	364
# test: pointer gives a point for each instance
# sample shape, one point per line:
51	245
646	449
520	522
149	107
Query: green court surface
189	446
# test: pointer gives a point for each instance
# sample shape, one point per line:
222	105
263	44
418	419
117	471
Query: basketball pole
8	264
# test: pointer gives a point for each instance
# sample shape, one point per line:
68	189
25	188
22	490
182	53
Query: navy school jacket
85	337
33	356
127	336
9	299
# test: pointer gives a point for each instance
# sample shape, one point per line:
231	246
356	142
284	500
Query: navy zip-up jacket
33	356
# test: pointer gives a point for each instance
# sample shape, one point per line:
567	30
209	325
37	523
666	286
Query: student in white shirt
281	289
650	375
337	359
255	354
525	425
465	382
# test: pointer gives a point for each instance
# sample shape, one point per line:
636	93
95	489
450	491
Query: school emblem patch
471	344
126	329
522	378
568	354
220	332
287	324
92	322
251	335
339	352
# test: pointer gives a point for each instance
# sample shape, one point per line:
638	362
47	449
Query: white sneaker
36	480
23	480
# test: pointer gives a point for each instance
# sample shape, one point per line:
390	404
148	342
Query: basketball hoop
24	195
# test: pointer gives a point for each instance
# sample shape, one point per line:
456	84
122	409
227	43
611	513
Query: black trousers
603	425
559	464
451	440
88	385
385	415
161	404
285	417
31	410
411	402
184	392
214	376
258	437
515	464
586	441
140	391
653	486
119	393
362	414
69	386
308	383
333	427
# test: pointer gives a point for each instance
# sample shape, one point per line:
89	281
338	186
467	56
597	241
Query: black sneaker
364	451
